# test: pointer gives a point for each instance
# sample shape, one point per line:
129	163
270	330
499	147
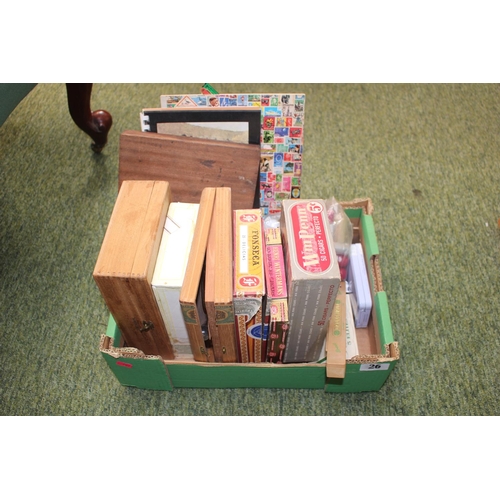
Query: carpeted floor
427	155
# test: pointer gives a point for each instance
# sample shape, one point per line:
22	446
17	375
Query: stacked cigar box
145	256
142	351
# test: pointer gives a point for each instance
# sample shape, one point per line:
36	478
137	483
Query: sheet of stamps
281	139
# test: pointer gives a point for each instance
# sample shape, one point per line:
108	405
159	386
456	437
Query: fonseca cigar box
313	277
249	284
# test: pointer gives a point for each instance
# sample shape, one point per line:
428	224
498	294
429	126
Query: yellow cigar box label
248	253
273	236
279	310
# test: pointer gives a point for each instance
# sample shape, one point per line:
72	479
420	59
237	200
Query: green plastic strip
353	213
209	88
113	332
369	237
383	318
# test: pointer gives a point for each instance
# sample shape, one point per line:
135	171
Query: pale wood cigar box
126	262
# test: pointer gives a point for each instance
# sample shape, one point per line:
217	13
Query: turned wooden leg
96	124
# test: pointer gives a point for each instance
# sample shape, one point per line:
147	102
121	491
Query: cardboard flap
191	164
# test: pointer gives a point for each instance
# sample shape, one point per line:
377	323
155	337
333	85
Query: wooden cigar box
126	262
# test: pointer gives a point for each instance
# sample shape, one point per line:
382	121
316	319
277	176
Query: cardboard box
312	274
170	270
249	284
276	296
378	351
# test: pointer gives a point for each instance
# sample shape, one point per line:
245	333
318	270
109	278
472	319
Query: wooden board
191	164
335	338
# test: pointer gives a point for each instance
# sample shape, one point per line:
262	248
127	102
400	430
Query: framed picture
240	125
281	135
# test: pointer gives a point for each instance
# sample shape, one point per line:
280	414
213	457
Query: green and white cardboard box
368	371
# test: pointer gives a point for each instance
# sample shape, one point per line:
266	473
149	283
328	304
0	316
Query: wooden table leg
95	124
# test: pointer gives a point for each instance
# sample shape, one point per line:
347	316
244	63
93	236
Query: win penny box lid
313	277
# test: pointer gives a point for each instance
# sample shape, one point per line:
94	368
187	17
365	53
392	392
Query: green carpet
427	155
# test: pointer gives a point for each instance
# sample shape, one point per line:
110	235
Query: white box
361	298
170	269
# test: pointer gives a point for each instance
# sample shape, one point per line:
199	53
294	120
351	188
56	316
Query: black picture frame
153	117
